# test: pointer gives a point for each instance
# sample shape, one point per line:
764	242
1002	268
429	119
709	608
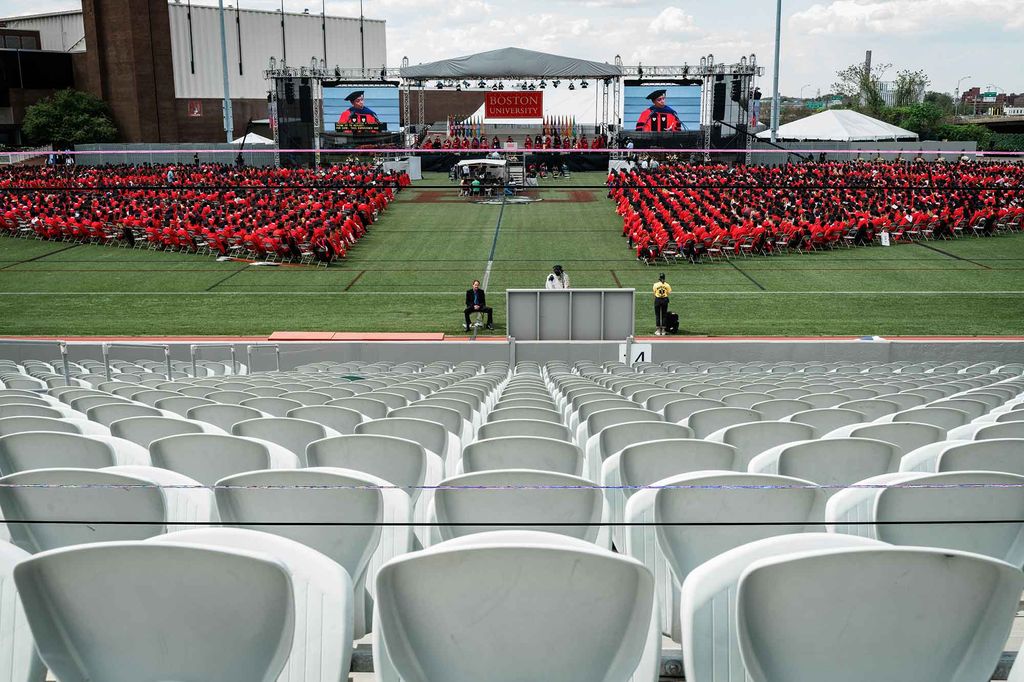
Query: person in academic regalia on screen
659	117
358	112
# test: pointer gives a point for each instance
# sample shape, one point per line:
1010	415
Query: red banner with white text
514	105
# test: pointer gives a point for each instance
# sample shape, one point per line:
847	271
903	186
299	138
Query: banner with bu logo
514	105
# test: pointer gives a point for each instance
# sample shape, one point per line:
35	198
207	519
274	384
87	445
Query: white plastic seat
209	457
535	413
963	501
944	417
446	614
883	608
826	419
523	427
729	501
831	463
642	464
612	438
997	454
431	435
151	396
871	408
341	419
290	433
21	662
275	407
223	417
9	425
752	438
229	397
459	430
518	499
711	651
705	422
108	413
987	430
367	406
181	404
145	430
307	398
522	452
218	614
27	409
399	461
153	500
51	449
338	512
907	435
779	408
321	648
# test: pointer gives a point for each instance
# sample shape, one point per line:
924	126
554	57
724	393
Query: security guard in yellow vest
661	294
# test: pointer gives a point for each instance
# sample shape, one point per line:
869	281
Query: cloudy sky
946	38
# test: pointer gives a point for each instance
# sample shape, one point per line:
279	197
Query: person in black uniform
476	302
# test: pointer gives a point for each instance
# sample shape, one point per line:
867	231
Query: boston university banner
514	105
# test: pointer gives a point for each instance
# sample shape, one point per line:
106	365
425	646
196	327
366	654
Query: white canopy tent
840	125
251	139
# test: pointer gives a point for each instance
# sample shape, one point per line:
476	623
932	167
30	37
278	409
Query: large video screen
357	108
677	110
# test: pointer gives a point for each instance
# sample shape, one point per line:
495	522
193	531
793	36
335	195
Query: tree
909	87
69	117
924	118
941	100
966	133
861	86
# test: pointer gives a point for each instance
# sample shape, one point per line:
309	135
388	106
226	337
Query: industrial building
159	65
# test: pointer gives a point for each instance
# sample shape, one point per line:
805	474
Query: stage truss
709	72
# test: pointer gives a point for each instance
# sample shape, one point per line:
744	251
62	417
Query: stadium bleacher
459	517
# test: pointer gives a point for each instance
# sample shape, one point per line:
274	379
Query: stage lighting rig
543	84
572	86
583	84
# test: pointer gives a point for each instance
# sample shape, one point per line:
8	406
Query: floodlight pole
229	123
775	80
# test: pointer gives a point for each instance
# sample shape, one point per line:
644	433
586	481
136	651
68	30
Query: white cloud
673	20
906	18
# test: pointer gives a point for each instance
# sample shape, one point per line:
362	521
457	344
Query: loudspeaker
718	109
306	102
734	90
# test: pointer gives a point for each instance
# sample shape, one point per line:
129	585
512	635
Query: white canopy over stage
841	125
511	62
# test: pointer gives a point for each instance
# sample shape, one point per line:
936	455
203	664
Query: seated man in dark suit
476	302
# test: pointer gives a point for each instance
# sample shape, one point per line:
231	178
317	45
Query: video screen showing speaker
661	106
361	108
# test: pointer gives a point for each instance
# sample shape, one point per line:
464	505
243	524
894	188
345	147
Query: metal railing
105	348
258	347
195	348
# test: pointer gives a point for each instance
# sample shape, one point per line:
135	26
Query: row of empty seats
400	476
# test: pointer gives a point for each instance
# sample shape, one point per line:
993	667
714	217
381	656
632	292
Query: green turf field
410	273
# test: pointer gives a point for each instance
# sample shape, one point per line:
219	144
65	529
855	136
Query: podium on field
570	314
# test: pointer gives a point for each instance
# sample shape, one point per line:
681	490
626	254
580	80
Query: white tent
840	125
251	139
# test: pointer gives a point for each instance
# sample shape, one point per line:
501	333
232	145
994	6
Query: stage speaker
306	102
734	90
718	108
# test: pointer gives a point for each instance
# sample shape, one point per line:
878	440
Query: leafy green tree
909	84
941	100
966	133
69	117
861	87
923	119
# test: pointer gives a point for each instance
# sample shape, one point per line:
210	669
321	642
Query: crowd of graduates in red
556	141
692	210
262	213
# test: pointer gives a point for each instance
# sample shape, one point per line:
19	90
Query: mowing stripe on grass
616	278
354	280
737	268
221	281
29	260
952	255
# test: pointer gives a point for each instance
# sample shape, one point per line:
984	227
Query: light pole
229	126
802	90
956	103
775	80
